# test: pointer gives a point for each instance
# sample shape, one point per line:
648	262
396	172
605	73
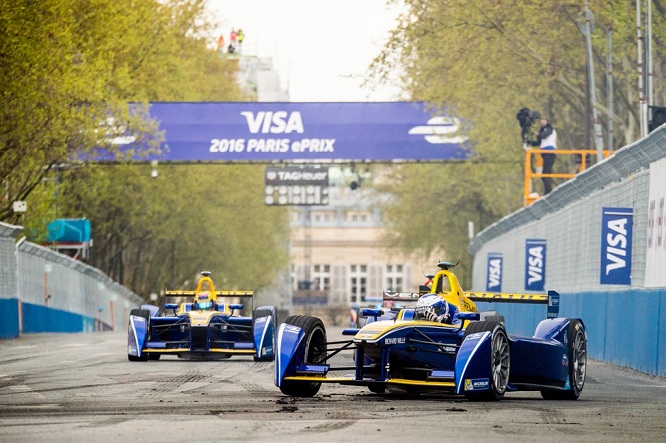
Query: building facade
338	259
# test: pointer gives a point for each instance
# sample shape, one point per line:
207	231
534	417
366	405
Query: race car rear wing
552	299
184	293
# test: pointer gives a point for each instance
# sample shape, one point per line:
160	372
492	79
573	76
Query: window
321	276
358	278
357	216
321	216
394	278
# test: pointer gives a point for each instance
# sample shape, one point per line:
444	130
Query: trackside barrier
625	328
626	321
42	290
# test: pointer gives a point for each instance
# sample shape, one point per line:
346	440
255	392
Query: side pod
289	339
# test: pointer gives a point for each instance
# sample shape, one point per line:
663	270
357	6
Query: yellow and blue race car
443	344
203	327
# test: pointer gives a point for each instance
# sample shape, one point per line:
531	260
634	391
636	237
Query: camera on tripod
526	118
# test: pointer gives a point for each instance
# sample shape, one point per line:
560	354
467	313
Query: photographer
525	118
546	140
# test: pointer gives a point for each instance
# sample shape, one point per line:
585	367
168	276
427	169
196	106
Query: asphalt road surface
81	388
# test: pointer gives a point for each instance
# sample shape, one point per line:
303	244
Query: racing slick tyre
311	350
145	314
499	360
264	312
577	343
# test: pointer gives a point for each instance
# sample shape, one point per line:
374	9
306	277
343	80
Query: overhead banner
494	272
655	260
616	240
312	132
535	264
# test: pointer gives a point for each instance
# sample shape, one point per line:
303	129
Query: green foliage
483	60
70	68
160	232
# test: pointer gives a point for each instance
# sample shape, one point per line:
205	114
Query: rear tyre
499	360
145	314
265	312
577	338
311	350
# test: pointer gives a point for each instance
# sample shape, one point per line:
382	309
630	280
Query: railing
582	158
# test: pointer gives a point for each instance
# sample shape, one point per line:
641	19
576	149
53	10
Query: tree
71	69
484	60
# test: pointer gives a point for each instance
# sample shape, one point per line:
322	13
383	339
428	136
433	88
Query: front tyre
577	338
312	349
499	360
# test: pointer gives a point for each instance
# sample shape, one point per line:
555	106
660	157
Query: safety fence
42	290
600	240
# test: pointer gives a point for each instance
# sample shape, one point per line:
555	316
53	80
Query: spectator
231	49
547	141
240	36
234	38
220	44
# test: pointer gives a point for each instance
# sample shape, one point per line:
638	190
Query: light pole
586	26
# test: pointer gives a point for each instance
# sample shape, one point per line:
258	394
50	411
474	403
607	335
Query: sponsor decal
473	384
655	258
535	264
565	360
553	305
291	329
616	242
296	185
440	130
394	340
494	272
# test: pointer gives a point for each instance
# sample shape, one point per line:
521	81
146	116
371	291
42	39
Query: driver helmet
204	301
432	307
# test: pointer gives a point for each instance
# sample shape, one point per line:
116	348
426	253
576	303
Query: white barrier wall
52	290
571	222
599	240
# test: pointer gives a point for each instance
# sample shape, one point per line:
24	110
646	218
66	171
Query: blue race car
204	327
444	344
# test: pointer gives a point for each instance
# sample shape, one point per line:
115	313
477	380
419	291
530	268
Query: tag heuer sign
296	185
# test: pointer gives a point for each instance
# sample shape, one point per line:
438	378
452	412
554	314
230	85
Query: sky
320	48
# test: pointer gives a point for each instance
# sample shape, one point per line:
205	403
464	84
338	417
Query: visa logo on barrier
616	241
268	122
535	264
494	282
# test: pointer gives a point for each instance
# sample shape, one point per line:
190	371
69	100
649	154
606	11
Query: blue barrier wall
9	324
625	328
38	318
